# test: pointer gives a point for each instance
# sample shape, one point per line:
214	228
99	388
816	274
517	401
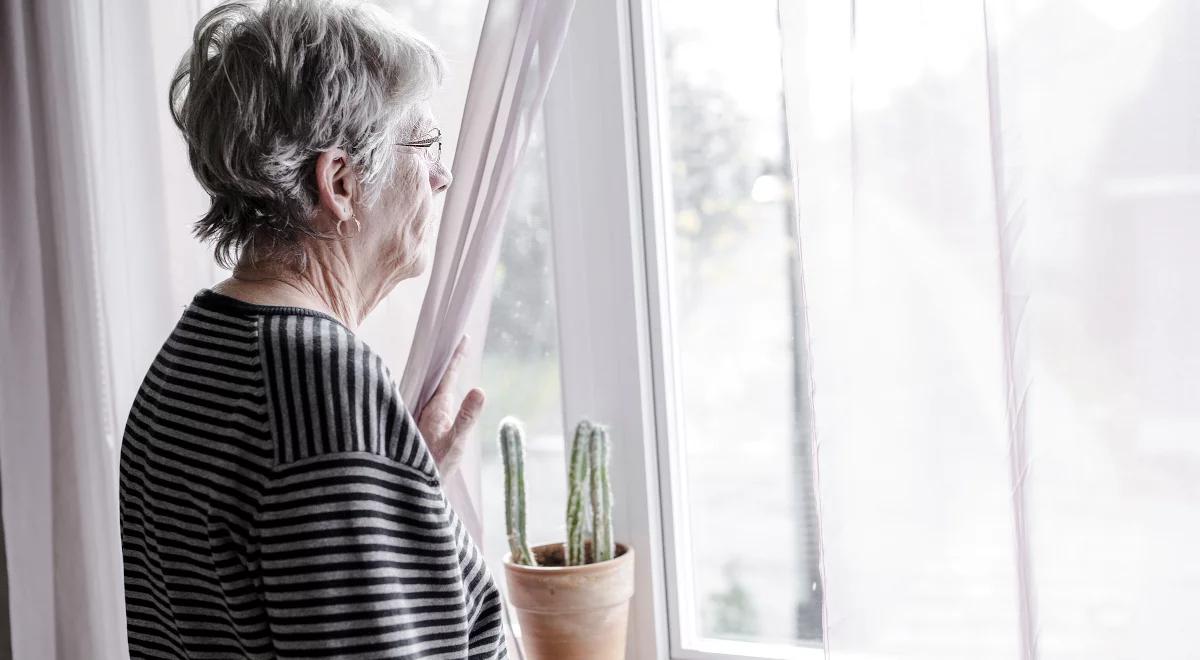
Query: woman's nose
440	178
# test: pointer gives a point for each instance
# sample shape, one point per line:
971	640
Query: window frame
606	366
609	202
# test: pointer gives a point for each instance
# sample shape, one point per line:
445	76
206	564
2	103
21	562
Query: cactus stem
512	451
577	474
602	537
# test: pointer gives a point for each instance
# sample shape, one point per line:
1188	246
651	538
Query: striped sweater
278	501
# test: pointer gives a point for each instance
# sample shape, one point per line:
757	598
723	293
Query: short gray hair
266	87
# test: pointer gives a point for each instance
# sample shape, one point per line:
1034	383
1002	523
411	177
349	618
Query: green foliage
730	613
712	167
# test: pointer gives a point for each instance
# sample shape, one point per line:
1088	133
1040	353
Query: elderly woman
277	497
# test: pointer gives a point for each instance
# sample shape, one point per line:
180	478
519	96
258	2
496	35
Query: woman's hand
444	430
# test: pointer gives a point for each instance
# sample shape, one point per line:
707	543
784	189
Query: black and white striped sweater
278	501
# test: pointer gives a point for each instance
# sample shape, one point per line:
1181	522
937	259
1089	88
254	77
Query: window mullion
600	280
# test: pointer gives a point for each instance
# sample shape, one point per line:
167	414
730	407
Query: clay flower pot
572	612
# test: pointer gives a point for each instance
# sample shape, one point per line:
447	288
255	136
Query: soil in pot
555	554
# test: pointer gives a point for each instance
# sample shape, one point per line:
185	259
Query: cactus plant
602	536
587	484
577	476
512	450
568	608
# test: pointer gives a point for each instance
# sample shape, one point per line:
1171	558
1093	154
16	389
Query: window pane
520	365
748	527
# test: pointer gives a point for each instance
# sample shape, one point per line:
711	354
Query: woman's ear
337	186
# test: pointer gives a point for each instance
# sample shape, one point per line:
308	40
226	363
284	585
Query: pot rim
625	556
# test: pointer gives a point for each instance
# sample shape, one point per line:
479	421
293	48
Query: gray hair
266	87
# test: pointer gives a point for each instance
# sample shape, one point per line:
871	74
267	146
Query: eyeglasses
433	143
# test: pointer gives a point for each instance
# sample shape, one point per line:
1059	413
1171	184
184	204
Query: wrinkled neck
330	280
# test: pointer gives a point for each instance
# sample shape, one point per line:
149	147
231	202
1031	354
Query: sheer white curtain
517	52
998	209
83	189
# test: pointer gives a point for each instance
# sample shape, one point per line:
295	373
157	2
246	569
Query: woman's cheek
406	201
420	227
411	209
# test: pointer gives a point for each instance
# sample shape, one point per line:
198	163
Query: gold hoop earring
357	228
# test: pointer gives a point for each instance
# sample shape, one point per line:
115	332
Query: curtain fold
58	433
1008	195
87	185
996	204
515	60
24	401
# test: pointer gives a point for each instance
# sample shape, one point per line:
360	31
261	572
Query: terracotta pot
572	612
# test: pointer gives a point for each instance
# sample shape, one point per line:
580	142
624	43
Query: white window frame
608	199
604	351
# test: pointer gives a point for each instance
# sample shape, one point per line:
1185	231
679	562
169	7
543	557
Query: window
743	546
672	231
520	370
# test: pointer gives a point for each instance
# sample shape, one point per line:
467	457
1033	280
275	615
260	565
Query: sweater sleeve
358	559
359	553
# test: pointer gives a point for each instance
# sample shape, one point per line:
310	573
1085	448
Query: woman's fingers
451	375
437	416
448	438
435	419
456	438
472	405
